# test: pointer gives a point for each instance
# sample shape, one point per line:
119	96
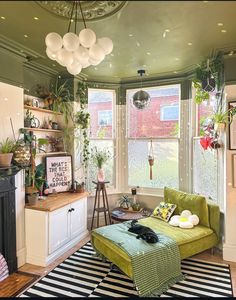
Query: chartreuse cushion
195	203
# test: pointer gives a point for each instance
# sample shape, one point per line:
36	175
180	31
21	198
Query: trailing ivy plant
209	75
82	119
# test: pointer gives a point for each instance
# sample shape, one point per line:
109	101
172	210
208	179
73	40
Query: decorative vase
5	159
100	175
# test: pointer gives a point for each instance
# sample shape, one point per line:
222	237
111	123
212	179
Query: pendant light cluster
76	51
141	99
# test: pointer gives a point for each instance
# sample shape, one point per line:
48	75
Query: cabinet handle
69	210
72	209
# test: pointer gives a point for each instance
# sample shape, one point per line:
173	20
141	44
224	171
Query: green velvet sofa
190	241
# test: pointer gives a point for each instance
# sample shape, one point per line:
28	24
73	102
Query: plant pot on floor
5	159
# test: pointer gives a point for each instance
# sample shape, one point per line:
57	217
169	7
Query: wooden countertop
54	202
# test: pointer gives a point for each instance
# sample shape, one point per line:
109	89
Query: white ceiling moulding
93	10
40	68
18	49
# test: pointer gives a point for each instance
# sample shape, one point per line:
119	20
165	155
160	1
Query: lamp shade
52	55
96	52
141	99
53	41
64	57
74	68
81	54
70	41
106	45
87	37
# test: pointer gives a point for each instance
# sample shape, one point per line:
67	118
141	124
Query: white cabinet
50	234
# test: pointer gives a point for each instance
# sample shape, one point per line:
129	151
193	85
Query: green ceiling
137	33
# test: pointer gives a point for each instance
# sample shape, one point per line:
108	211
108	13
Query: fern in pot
7	148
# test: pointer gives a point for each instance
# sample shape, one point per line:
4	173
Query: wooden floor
15	283
207	255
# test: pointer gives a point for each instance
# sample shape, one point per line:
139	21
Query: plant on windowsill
125	202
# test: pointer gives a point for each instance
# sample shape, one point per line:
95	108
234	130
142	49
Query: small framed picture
59	173
232	128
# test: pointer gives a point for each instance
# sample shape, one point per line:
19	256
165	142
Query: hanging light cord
76	12
82	14
71	16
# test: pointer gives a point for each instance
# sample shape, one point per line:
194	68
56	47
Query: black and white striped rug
84	275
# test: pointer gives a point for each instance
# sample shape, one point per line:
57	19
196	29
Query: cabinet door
78	217
59	229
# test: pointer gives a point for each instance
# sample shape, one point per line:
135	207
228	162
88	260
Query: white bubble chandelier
76	51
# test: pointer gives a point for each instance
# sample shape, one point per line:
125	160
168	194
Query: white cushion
193	219
186	213
174	222
185	225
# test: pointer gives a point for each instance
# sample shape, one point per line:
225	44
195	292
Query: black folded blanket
143	232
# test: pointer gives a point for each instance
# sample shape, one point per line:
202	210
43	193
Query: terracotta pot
5	159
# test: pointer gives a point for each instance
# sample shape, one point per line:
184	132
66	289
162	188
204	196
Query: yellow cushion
164	211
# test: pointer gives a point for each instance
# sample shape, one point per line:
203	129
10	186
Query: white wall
229	246
11	106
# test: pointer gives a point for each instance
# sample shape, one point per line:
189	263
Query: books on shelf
117	213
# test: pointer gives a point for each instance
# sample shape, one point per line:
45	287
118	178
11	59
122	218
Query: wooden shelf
43	130
49	153
42	110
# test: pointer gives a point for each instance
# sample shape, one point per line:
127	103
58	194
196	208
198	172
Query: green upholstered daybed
190	241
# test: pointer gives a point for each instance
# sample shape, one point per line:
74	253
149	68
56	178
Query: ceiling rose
92	10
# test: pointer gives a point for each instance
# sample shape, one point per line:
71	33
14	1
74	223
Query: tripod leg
95	201
99	190
104	205
107	204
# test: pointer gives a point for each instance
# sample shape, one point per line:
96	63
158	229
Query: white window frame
146	190
221	154
163	107
114	188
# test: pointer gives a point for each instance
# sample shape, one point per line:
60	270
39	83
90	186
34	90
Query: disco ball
141	99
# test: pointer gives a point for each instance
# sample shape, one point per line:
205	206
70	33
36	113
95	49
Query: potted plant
80	187
7	148
99	158
125	202
28	119
208	77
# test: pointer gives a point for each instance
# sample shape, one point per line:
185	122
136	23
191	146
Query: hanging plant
82	119
151	159
209	75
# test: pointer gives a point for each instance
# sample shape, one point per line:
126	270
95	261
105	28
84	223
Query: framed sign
232	128
59	173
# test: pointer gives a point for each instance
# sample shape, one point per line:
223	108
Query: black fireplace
8	218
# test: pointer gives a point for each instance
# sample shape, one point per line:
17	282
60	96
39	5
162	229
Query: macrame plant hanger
151	159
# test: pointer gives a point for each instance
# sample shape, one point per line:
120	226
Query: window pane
100	104
205	111
204	171
162	113
165	169
108	166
